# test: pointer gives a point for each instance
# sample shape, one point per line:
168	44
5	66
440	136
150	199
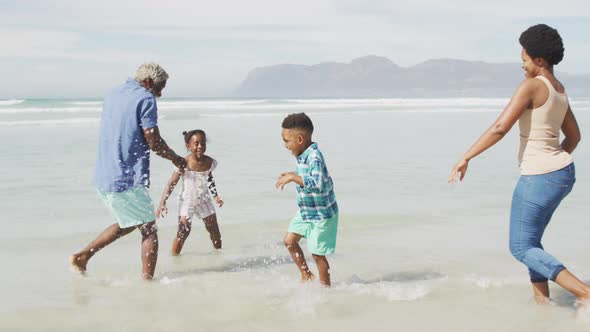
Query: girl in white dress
194	198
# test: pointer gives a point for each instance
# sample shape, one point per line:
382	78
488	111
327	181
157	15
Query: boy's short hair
298	121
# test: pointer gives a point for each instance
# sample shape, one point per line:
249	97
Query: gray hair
151	70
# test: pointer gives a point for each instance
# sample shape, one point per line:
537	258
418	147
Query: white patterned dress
194	198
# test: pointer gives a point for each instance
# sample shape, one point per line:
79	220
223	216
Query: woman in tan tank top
541	107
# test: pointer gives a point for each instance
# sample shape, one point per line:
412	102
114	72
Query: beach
413	252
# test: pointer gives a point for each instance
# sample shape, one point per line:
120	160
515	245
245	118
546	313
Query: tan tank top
540	148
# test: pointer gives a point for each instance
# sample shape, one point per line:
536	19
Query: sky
81	49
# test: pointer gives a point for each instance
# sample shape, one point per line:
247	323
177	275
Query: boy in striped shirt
317	219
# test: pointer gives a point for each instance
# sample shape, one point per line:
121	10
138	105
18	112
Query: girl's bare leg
213	229
184	229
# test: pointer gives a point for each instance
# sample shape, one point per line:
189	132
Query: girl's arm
162	209
520	101
213	189
211	184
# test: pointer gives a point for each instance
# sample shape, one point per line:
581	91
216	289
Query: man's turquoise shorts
131	207
320	235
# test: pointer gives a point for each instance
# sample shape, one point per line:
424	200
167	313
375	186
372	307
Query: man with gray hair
128	131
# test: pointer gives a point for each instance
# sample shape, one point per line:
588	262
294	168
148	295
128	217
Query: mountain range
374	77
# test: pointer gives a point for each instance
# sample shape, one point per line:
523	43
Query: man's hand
159	146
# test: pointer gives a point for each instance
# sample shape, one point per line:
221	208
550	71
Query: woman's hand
219	201
459	171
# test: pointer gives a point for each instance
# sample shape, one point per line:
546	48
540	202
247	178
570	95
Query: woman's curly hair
542	41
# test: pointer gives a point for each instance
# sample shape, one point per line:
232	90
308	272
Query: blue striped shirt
316	198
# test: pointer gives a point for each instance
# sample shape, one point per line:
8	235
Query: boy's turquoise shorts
320	235
131	207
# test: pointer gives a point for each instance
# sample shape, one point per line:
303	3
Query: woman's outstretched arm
520	101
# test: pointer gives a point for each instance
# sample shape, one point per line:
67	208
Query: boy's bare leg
80	260
323	269
213	229
541	292
149	248
184	229
291	241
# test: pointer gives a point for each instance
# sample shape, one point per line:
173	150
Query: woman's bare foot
78	263
583	310
542	300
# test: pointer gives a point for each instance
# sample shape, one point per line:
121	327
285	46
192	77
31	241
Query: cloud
217	42
498	9
29	42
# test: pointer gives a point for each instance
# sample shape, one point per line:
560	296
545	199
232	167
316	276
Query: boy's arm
313	181
310	182
297	179
285	178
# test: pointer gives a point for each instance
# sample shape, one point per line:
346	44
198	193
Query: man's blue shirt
123	153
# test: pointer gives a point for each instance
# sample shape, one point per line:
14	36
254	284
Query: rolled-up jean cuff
556	272
535	280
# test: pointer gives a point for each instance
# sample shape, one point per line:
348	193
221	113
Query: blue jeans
535	199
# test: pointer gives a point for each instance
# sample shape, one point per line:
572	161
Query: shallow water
413	252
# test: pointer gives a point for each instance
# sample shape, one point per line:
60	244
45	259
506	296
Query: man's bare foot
305	277
78	263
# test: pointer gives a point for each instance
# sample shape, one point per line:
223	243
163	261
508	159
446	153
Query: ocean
414	253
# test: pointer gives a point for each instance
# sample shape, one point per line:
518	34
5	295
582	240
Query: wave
258	107
88	103
47	123
289	104
405	101
50	110
11	102
240	115
404	286
491	282
208	103
392	291
431	110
